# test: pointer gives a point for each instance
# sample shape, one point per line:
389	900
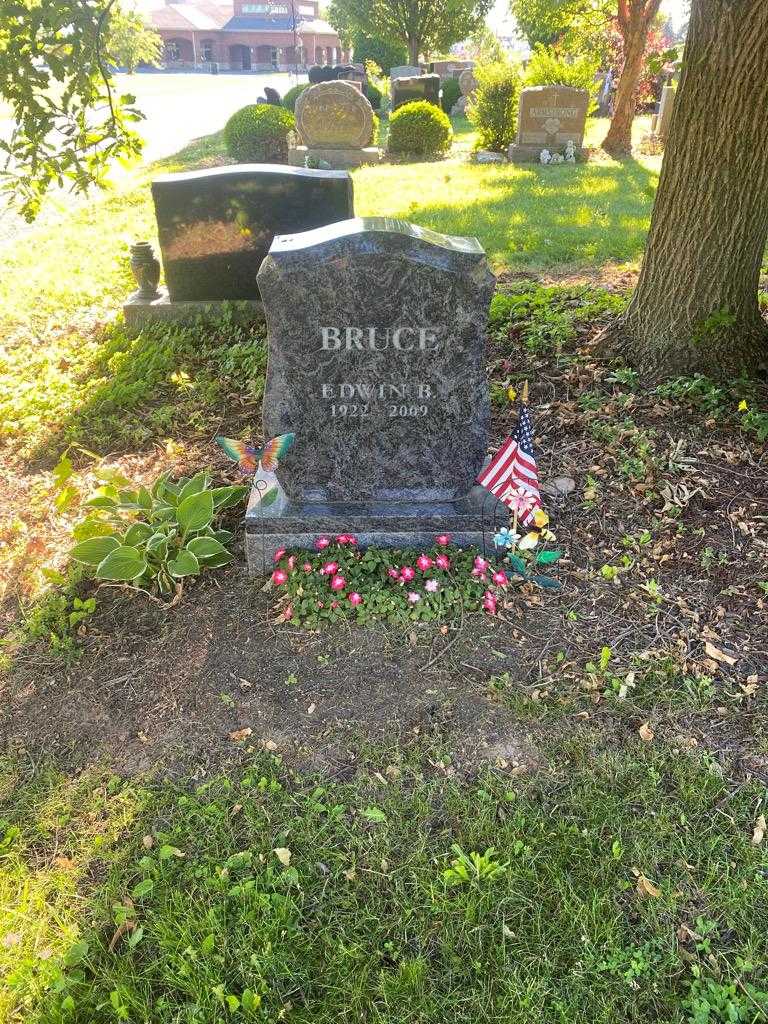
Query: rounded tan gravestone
467	81
334	115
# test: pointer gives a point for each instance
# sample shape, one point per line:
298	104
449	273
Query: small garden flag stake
511	474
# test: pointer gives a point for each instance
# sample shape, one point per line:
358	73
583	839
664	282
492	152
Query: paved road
177	108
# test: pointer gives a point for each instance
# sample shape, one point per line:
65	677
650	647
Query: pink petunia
321	543
338	582
500	578
334	604
278	554
481	563
432	586
329	568
307	567
443	562
393	573
355	598
279	576
288	612
489	602
424	562
407	573
291	563
414	597
443	539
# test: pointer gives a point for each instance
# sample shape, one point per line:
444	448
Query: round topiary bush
259	134
420	128
289	100
451	93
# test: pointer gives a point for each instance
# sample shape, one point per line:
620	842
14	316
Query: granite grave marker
335	123
376	333
216	226
549	116
416	87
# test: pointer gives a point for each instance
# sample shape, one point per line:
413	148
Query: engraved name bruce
379	339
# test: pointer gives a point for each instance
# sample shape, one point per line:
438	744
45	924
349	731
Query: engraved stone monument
467	84
376	333
549	117
416	87
216	226
335	122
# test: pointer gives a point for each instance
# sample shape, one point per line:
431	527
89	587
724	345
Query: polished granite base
471	521
339	159
139	312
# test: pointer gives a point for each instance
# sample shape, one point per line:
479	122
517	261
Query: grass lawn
552	816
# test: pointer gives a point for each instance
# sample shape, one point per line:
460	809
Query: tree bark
695	308
634	17
414	45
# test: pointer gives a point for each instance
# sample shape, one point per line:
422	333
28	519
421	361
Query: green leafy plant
289	100
420	128
259	133
451	93
474	868
155	538
493	106
548	67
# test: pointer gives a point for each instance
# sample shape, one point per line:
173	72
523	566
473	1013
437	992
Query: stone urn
146	270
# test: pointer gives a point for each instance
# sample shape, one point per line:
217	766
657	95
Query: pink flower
443	562
413	597
500	578
279	576
407	573
329	569
393	573
481	564
321	543
351	539
278	554
307	567
338	582
424	562
355	598
489	602
291	563
346	538
320	604
520	502
288	612
431	586
334	604
443	538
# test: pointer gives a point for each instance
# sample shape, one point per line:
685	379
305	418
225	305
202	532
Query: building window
172	51
206	50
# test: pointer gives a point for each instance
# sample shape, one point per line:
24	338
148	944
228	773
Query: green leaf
66	498
166	852
63	470
94	551
548	557
144	888
546	582
208	944
374	814
124	563
157	545
145	499
197	484
184	564
101	501
269	498
223	536
195	512
204	548
225	497
138	533
517	564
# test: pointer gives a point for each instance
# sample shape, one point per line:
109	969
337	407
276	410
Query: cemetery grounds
552	815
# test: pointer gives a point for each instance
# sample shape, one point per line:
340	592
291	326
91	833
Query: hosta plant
155	537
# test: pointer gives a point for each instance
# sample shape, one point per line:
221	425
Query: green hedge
420	128
492	108
451	93
258	133
289	100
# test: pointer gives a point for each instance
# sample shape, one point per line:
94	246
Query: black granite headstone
216	227
377	365
417	87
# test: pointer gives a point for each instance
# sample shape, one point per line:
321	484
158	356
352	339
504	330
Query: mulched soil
158	689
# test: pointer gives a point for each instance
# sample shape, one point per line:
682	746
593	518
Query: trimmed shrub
383	52
375	131
258	133
372	94
289	100
451	93
492	108
546	67
420	128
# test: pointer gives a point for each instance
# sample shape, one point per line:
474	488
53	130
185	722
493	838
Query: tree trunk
695	307
414	45
635	17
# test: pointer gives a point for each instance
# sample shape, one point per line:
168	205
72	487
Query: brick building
246	35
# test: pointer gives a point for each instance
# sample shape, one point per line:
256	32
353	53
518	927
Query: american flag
511	473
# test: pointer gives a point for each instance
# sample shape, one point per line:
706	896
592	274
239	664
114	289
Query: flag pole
524	394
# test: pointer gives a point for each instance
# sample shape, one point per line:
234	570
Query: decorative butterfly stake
252	460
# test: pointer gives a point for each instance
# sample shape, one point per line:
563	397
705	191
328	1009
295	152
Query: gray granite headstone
376	334
216	226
